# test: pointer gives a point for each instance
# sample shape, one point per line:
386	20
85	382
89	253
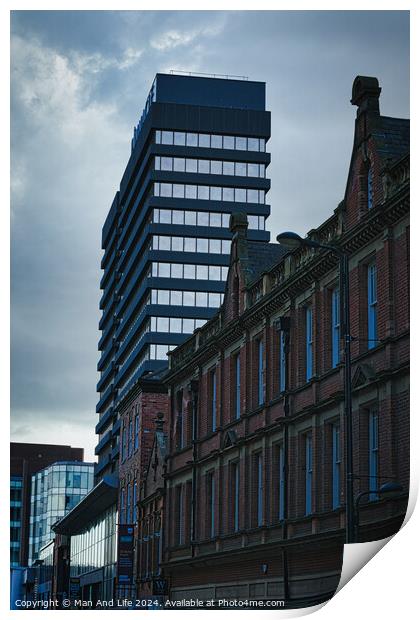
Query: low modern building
25	460
55	491
255	468
87	537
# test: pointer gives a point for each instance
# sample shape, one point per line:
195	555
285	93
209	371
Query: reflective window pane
158	136
179	164
176	270
189	272
191	165
179	138
166	190
215	193
164	243
204	140
203	192
228	194
202	218
215	246
253	170
240	195
216	167
204	166
187	326
177	217
165	216
167	137
164	270
176	325
253	195
201	299
262	171
202	245
157	163
190	244
262	197
262	145
176	298
228	167
225	246
216	219
225	220
162	324
253	144
228	142
240	144
224	272
217	142
214	272
191	191
189	298
166	163
190	218
178	190
192	139
214	300
202	272
177	244
163	297
240	169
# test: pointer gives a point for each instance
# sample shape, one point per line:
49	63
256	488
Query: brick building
255	475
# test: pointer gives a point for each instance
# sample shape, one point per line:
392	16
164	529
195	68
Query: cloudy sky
79	82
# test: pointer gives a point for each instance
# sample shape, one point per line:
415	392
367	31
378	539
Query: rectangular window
261	387
210	504
134	501
373	454
122	506
180	516
335	326
123	441
235	496
281	482
129	517
308	474
372	306
336	463
237	364
130	438
282	361
309	343
259	488
213	402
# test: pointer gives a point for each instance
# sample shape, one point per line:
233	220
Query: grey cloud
79	81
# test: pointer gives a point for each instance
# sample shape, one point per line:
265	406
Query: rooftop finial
365	94
238	224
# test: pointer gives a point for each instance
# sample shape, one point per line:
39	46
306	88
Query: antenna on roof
212	75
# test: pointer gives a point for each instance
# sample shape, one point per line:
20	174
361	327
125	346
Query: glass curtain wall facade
16	484
95	548
198	155
55	490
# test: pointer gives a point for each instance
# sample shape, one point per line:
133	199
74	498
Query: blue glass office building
198	154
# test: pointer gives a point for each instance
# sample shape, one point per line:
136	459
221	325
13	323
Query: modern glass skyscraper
55	490
198	154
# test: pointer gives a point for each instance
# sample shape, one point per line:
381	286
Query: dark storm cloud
79	81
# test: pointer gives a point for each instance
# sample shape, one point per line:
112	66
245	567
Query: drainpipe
283	325
193	389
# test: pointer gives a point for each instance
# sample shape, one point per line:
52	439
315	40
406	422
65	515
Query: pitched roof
392	137
261	257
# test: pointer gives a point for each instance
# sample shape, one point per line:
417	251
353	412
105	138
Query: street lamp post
293	240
